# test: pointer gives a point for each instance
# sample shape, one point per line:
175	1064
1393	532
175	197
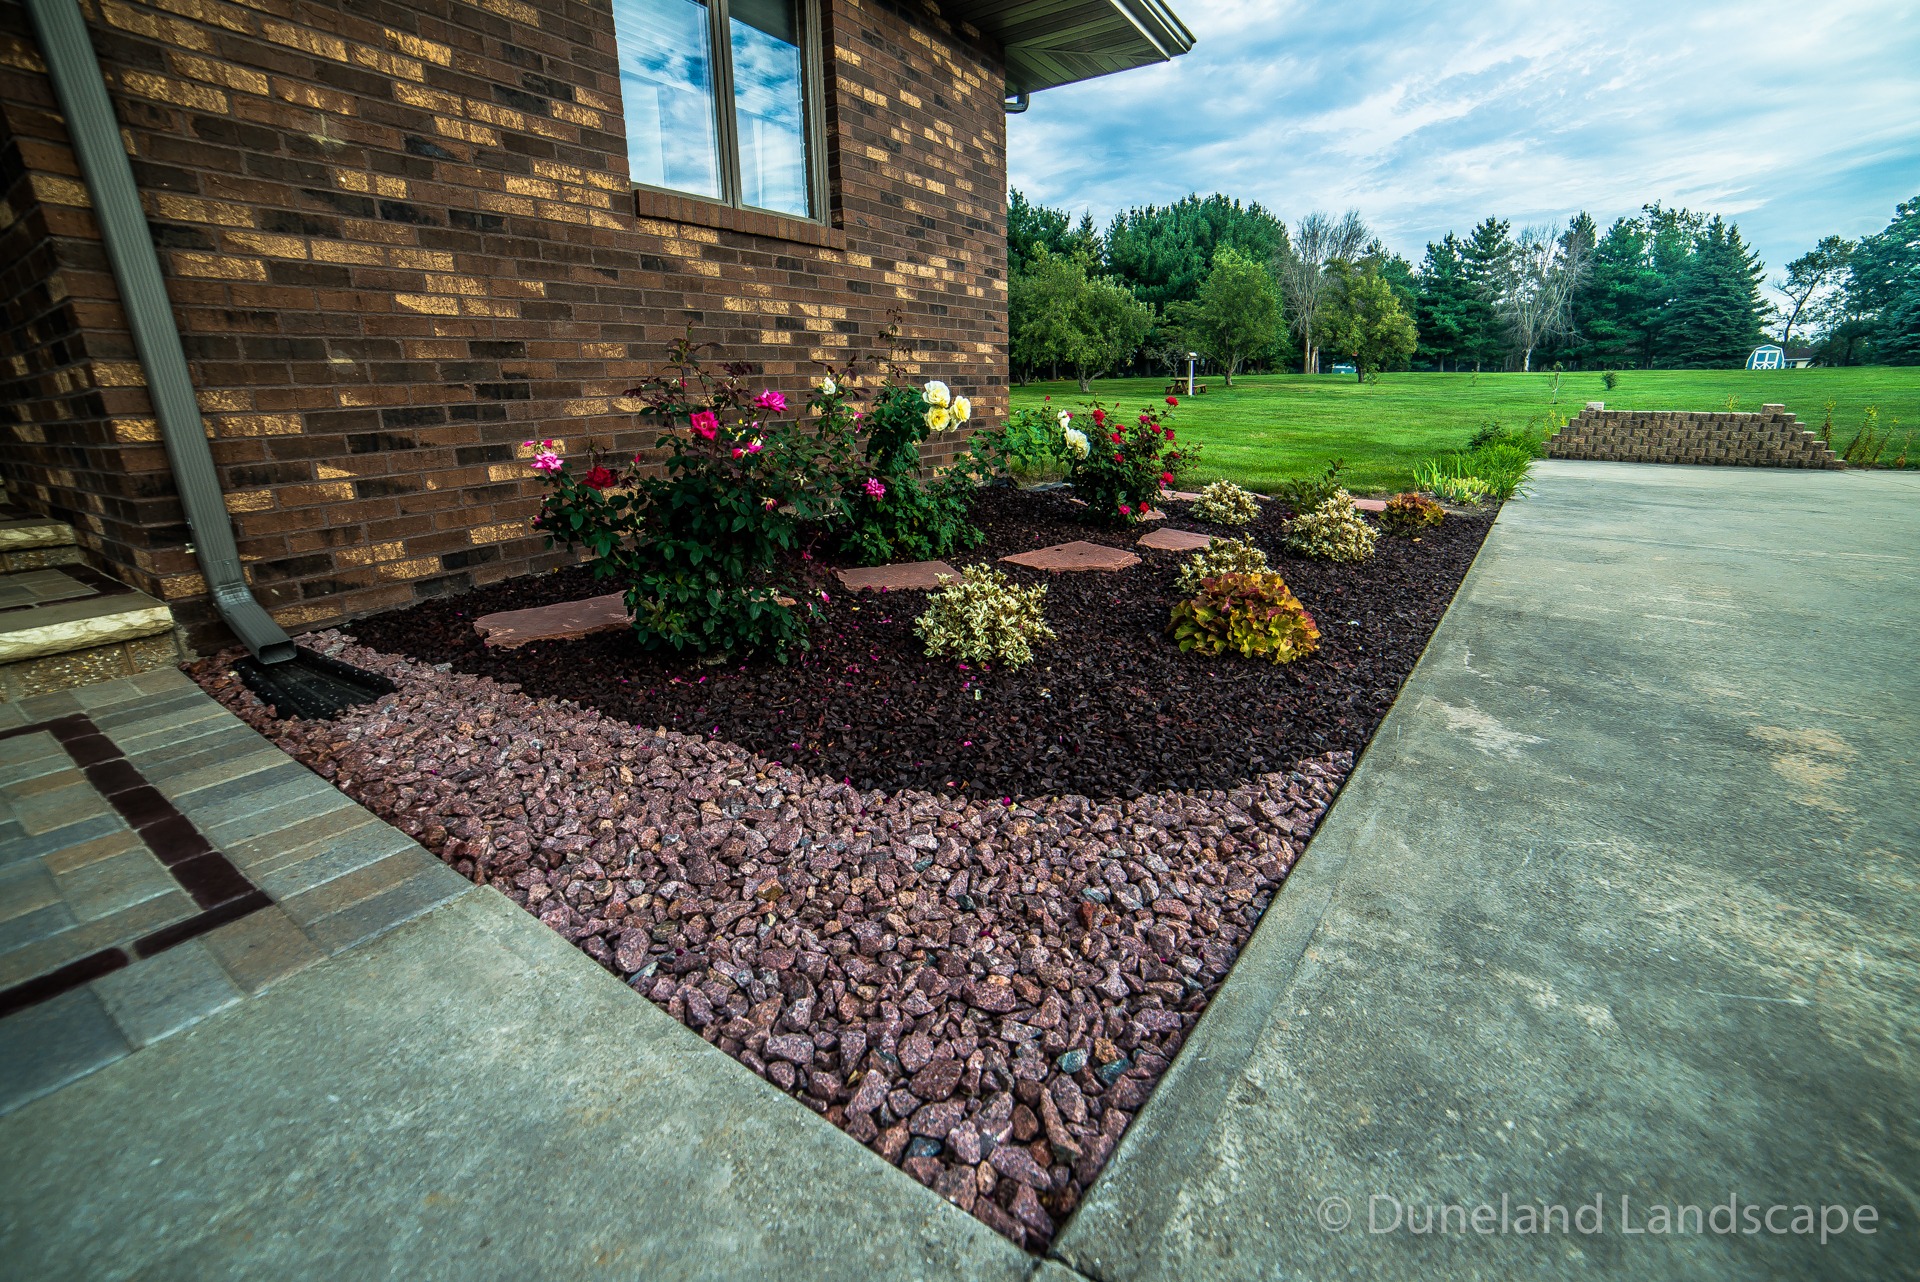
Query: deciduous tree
1361	318
1238	314
1318	241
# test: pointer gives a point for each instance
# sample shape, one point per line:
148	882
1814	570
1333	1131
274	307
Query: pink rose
1125	510
875	487
706	424
546	461
771	400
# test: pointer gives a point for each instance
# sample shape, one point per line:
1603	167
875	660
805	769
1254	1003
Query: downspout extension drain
311	687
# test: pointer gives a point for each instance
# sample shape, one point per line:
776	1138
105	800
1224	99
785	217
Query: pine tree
1442	305
1713	320
1487	260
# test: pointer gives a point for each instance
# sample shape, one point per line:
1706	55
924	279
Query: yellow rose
939	417
962	409
937	394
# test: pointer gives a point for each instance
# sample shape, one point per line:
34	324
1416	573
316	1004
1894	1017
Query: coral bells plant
1118	462
1251	614
1409	513
697	533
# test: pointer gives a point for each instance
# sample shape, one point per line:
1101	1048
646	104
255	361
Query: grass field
1272	426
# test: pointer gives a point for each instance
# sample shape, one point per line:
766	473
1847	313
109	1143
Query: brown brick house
400	238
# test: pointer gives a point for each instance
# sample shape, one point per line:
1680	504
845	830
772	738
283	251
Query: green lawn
1272	426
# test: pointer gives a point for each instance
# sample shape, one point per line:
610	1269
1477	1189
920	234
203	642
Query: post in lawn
1191	358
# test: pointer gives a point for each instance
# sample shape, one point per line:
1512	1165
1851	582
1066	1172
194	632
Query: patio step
63	623
34	542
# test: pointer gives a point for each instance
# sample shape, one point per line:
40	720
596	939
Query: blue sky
1795	120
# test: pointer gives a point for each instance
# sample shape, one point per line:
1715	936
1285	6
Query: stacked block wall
400	239
1770	438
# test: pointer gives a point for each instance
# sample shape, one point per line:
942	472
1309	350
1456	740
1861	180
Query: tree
1164	253
1361	318
1536	296
1615	313
1810	276
1238	314
1060	315
1883	279
1487	263
1031	228
1318	242
1443	306
1713	319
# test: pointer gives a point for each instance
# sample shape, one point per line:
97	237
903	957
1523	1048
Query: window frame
726	125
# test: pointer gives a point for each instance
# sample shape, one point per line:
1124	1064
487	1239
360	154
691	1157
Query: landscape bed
1111	707
982	983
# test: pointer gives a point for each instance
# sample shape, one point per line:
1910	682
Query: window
723	100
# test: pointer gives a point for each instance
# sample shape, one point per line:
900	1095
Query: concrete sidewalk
1620	904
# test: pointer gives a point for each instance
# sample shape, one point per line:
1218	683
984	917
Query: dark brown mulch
1109	708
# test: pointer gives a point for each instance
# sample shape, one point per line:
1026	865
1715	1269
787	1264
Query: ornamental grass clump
982	617
1335	530
1225	503
1251	614
1409	513
1222	556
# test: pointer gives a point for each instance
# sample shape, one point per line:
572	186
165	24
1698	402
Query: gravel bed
982	990
1109	708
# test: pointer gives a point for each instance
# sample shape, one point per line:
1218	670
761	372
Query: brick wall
400	239
1771	438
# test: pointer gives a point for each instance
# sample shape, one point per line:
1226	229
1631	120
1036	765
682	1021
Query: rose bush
1118	463
892	514
697	535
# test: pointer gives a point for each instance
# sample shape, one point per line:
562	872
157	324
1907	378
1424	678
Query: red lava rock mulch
1109	708
984	993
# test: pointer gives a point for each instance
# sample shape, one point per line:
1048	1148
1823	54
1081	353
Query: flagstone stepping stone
1180	496
1077	555
900	576
562	621
1371	505
1175	540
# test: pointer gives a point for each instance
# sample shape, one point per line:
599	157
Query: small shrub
1335	530
1025	448
1610	379
1869	442
981	617
1409	513
1250	614
1306	493
1225	503
1222	556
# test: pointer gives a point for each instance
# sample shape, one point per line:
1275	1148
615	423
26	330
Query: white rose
937	394
938	417
962	409
1077	442
827	386
1066	420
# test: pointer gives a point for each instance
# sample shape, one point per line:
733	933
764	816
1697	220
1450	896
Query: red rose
1116	458
599	478
1116	438
1166	478
1169	434
1173	400
1100	417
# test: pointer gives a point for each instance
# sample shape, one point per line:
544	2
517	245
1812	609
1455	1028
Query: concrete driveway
1619	906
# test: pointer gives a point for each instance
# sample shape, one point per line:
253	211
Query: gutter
75	71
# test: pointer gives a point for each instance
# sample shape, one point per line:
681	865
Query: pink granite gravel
983	993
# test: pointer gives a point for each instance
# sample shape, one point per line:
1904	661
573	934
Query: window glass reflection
769	105
666	80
